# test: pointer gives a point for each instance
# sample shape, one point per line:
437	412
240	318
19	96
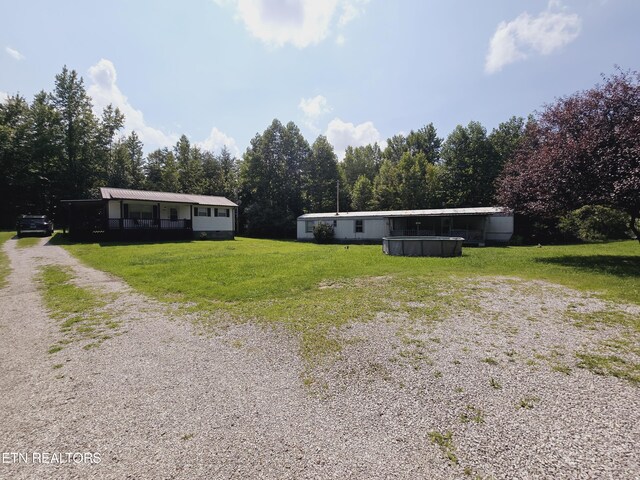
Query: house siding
213	227
345	229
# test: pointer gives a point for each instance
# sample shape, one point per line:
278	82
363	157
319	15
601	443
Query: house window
173	214
308	226
359	226
221	212
335	224
201	211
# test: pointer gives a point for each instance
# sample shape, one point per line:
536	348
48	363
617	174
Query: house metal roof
436	212
108	193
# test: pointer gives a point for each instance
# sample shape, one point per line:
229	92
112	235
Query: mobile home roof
436	212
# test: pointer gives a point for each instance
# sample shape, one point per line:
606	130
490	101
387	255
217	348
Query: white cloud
542	34
299	22
14	53
340	40
313	108
104	90
216	140
344	134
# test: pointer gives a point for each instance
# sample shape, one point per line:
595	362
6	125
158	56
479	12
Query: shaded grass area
78	310
616	265
313	288
4	260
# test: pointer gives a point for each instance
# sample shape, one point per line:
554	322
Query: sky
357	71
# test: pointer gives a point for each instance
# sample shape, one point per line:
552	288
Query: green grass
312	288
26	242
79	310
4	260
610	365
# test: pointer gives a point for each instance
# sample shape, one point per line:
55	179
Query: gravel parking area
495	391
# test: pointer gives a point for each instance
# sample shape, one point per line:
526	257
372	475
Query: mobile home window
201	211
222	212
173	214
308	226
359	226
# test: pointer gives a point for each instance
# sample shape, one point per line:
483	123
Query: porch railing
148	224
468	235
412	232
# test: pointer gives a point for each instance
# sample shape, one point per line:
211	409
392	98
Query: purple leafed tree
582	150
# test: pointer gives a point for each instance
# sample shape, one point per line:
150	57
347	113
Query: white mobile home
124	213
478	226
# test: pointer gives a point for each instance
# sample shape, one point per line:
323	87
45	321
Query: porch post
159	218
484	231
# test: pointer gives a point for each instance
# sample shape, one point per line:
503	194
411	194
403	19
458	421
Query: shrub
595	223
323	232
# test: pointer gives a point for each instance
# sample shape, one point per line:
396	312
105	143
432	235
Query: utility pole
337	197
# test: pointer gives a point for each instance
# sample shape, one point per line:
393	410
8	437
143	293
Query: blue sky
357	71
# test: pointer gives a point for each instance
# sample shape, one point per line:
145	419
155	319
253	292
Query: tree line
56	148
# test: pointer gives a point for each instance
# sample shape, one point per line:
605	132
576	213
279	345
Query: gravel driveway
497	387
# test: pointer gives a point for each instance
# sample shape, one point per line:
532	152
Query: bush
595	223
323	232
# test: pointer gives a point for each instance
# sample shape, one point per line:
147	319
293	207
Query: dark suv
34	224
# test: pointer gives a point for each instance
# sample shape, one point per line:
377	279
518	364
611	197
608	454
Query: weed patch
445	442
610	365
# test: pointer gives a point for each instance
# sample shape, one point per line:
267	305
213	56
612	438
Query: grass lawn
311	288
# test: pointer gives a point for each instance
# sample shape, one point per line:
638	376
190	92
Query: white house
124	213
478	226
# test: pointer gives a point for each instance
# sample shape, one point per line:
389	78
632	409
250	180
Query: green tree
126	163
45	154
506	138
105	145
386	187
362	194
424	140
271	178
396	146
229	173
78	170
135	153
470	167
212	184
170	173
412	176
15	123
320	177
190	172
